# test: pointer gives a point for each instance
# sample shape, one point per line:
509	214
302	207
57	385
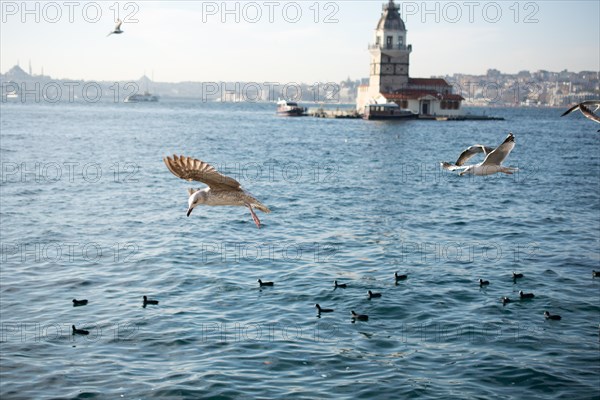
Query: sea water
89	210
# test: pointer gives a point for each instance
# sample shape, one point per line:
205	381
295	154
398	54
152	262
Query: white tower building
389	80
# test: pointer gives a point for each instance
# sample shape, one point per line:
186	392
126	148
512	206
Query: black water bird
321	310
526	295
261	283
77	303
79	331
553	317
517	276
400	277
339	285
373	295
483	283
148	301
360	317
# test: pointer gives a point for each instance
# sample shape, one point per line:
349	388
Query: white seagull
490	165
117	29
221	191
583	107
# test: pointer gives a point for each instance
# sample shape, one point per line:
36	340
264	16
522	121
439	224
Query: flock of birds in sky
223	190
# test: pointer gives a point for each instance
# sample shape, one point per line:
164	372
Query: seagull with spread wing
490	165
221	191
584	108
117	29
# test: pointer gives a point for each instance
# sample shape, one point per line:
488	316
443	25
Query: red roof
427	82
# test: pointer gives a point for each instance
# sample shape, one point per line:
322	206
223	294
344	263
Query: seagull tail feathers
260	206
509	170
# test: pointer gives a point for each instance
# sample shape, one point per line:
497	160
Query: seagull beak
189	211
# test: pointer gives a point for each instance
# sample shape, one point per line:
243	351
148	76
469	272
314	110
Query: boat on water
141	98
290	109
388	111
12	95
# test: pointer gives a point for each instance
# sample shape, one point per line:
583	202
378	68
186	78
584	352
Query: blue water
88	210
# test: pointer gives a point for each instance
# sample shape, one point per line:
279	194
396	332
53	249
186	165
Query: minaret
390	53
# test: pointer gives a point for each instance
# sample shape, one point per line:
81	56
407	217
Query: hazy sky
292	41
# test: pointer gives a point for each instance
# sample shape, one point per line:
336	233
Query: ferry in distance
141	98
12	95
290	109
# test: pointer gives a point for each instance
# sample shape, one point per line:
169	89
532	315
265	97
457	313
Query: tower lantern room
391	31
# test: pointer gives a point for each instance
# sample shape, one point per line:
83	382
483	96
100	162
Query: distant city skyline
291	41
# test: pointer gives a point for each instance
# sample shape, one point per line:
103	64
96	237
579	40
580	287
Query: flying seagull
221	191
583	107
117	28
491	164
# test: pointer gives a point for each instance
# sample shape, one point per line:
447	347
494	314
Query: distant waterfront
495	89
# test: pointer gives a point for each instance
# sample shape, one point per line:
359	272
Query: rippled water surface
88	210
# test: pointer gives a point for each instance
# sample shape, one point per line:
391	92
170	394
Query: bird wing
118	25
591	103
471	151
584	105
588	113
570	110
501	152
190	169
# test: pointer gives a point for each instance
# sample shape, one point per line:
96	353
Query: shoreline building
389	80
